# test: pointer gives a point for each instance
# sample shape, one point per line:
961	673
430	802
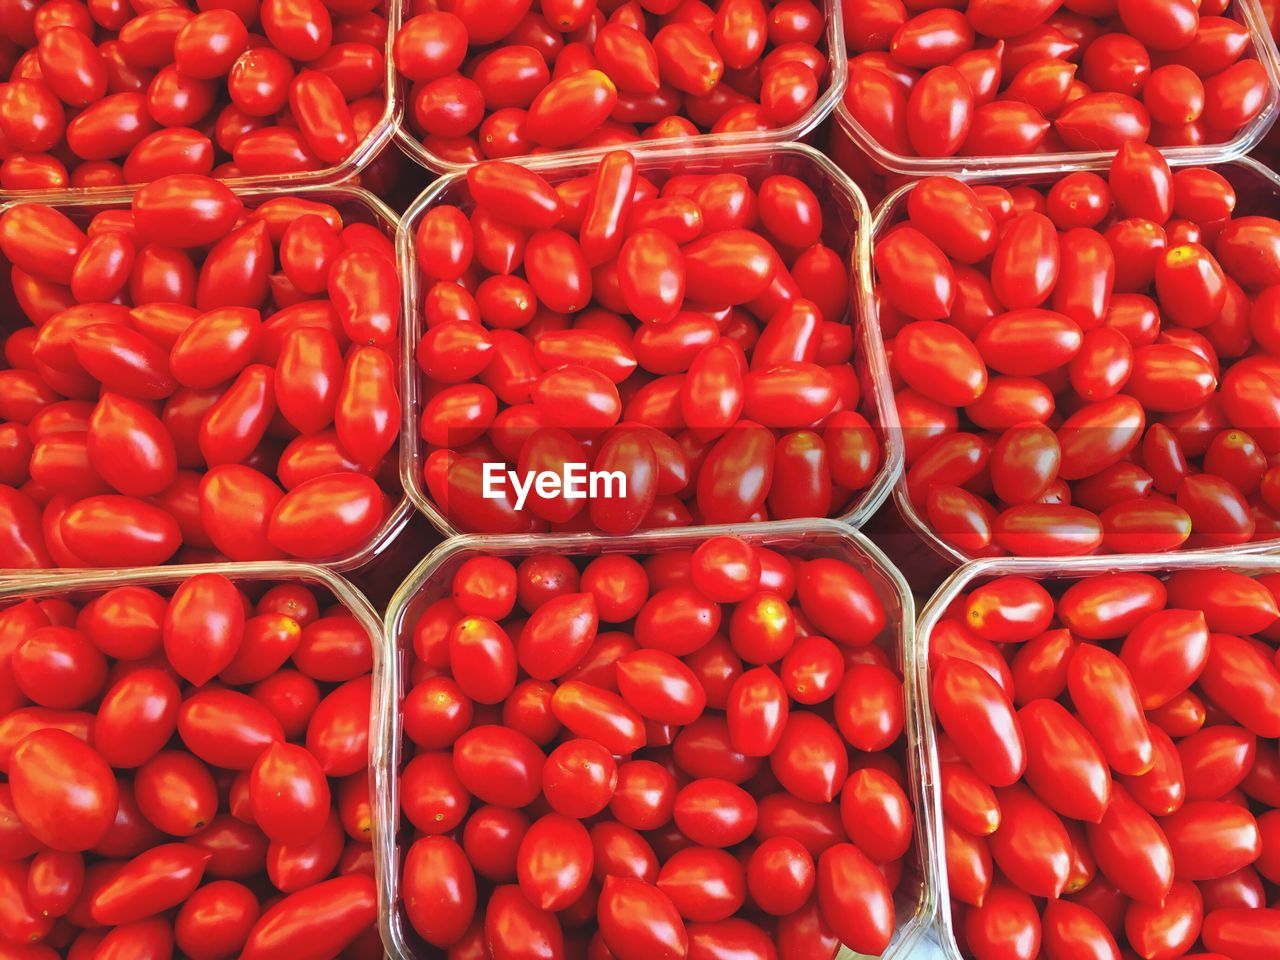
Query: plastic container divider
828	98
842	203
431	580
1257	187
1263	48
974	574
378	137
354	203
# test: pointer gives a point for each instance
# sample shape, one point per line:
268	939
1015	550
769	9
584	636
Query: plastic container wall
1257	190
1263	48
828	98
379	137
965	579
90	583
355	205
917	902
843	206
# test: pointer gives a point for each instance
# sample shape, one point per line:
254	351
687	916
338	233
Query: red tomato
439	890
288	793
977	714
638	920
216	918
343	907
63	791
163	876
554	862
854	899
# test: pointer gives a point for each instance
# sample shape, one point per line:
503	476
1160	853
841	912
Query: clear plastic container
356	206
965	579
828	98
1257	191
917	900
380	135
331	588
842	203
882	160
90	583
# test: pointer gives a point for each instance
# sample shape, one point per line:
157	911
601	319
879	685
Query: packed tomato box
469	470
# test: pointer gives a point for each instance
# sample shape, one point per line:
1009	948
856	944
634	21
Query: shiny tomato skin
840	601
954	217
511	777
227	729
1165	653
939	112
810	760
557	635
137	717
289	794
1105	697
343	907
660	687
1069	926
165	874
440	894
1168	928
981	720
1211	838
554	862
940	362
645	795
854	899
1132	850
780	875
1071	777
876	814
58	667
1027	261
715	813
1241	681
216	918
304	523
869	710
112	530
915	274
705	885
637	919
1215	760
63	790
236	504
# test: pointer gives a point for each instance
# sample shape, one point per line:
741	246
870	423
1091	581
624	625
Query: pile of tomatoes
693	336
1109	774
496	80
177	397
1008	79
186	767
1091	365
694	753
111	92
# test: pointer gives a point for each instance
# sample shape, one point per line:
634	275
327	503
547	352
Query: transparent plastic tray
379	136
828	98
356	206
333	589
1263	48
1257	191
89	583
432	579
965	579
842	203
